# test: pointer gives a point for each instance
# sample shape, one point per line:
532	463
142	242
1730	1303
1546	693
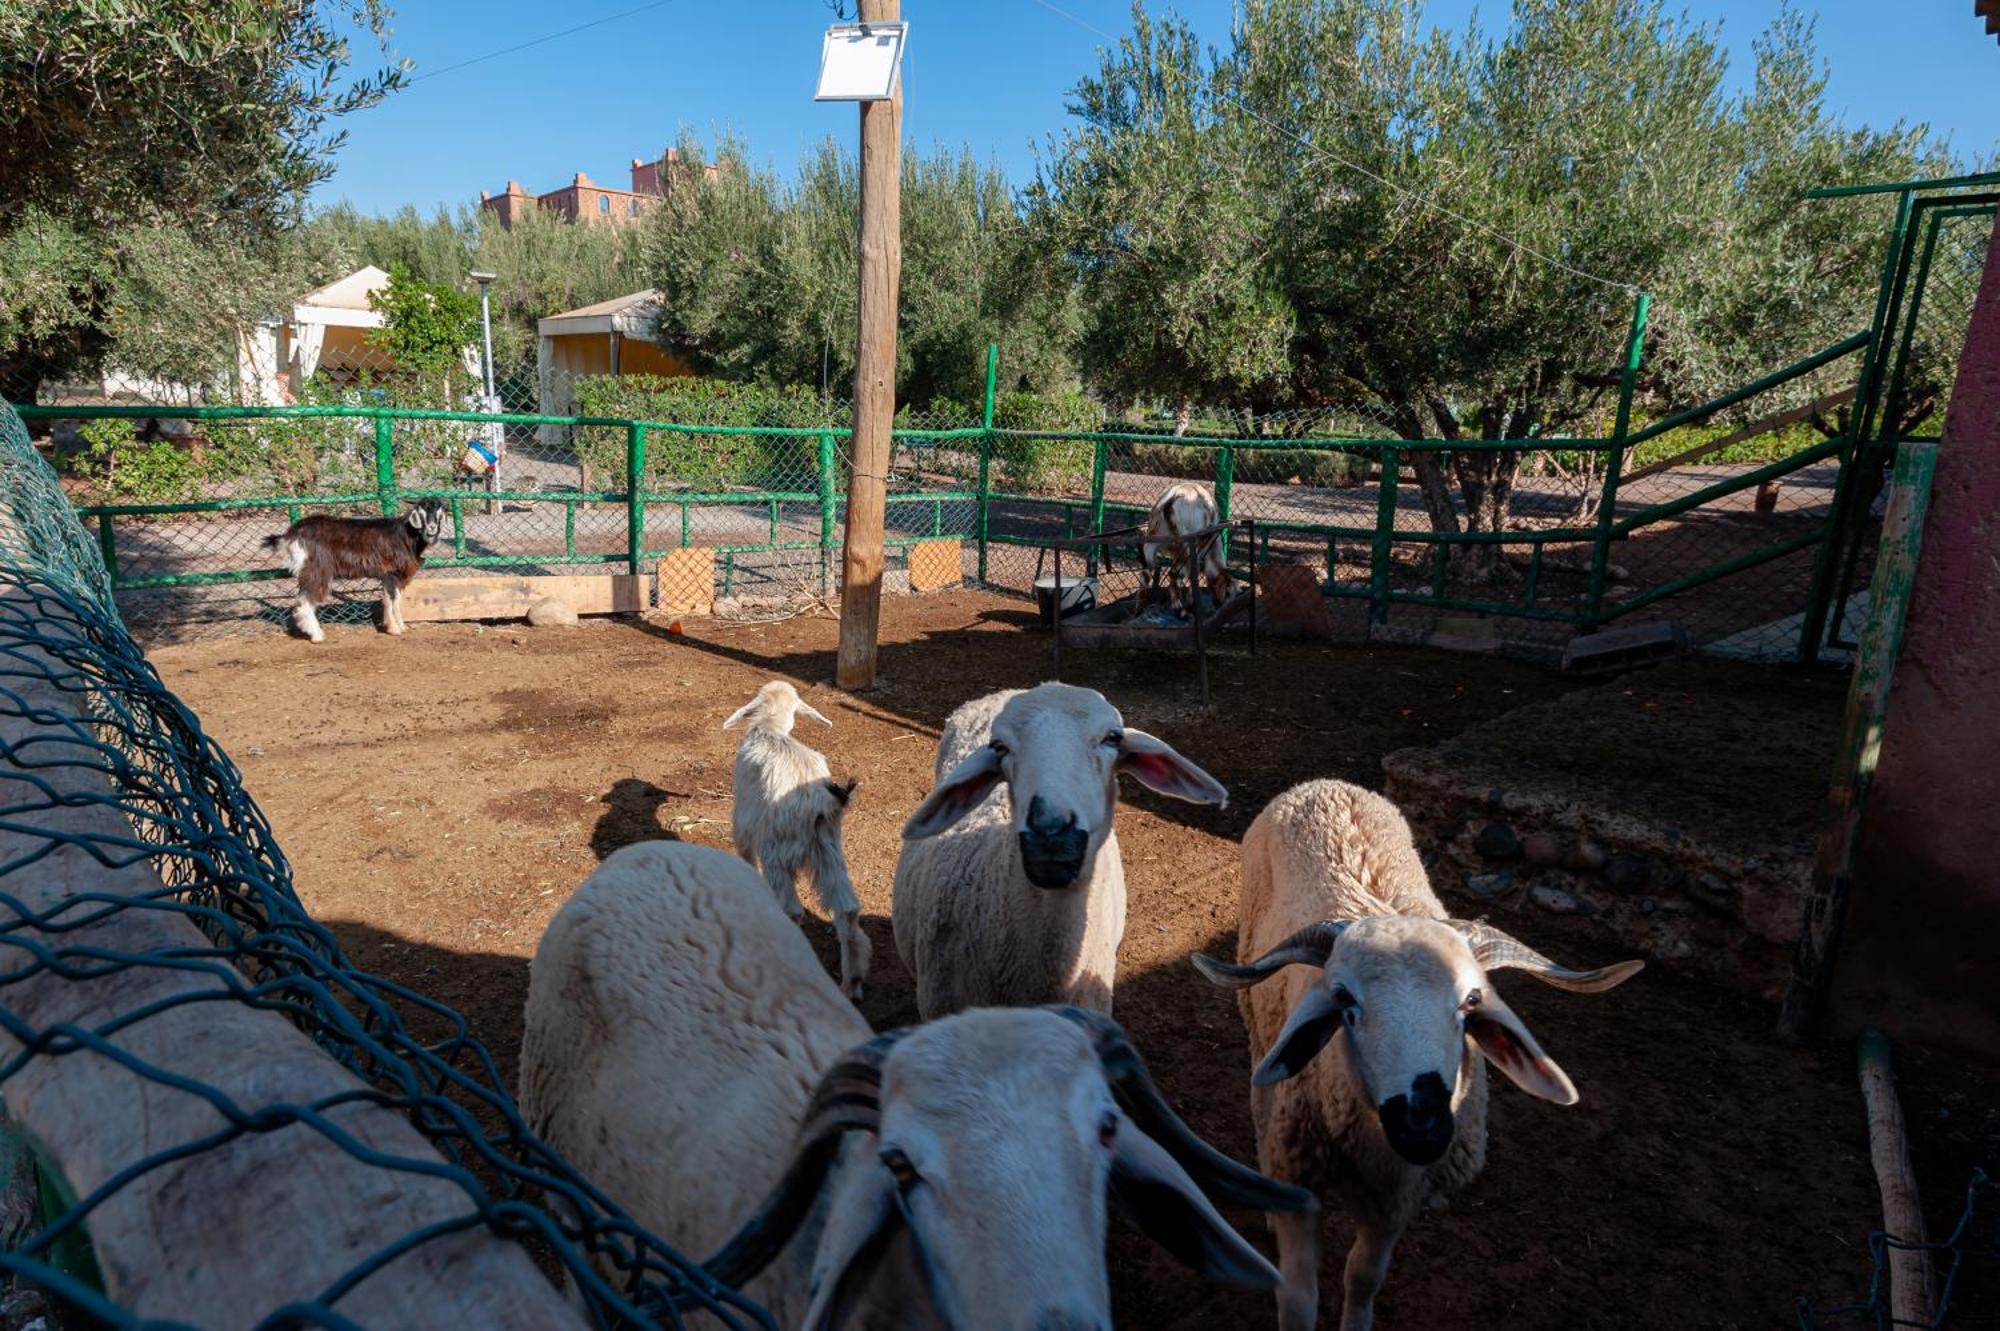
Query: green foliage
129	125
426	325
1044	466
759	278
122	470
677	459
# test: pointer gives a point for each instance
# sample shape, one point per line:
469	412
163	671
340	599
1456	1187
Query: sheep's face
988	1191
1060	749
1406	994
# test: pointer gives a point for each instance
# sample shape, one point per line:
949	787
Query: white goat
1183	508
1010	889
786	818
684	1049
1393	1117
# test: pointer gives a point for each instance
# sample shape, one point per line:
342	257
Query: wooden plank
235	1230
1911	1298
935	565
1750	431
874	376
508	597
1861	737
687	581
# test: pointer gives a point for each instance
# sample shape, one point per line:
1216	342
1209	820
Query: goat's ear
1164	1202
957	795
736	717
861	1222
842	791
1312	1023
809	710
1511	1047
1154	764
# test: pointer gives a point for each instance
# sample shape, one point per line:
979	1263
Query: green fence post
635	499
1378	548
986	450
385	464
1225	480
107	546
1607	505
828	504
1100	461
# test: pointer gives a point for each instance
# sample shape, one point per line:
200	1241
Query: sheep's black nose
1419	1125
1052	847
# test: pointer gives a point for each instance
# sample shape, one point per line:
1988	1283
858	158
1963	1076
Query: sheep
1183	508
1010	889
318	549
787	817
1393	1118
680	1034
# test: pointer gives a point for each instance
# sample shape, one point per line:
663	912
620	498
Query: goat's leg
855	951
1367	1265
784	882
305	620
392	604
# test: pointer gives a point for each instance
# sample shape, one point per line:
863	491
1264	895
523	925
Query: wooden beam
1911	1297
233	1231
874	375
509	597
1750	431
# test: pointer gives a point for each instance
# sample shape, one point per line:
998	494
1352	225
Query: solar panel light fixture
860	62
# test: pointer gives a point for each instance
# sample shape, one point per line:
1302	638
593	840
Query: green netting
101	765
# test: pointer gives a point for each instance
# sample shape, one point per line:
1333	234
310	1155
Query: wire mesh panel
134	867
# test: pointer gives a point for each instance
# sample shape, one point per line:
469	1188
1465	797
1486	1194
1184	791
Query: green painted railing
990	510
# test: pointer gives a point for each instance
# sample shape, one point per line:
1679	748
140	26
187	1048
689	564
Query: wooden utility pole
874	375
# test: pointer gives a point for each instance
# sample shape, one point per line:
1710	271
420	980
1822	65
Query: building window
631	207
604	203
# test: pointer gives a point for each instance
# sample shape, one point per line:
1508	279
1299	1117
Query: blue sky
988	74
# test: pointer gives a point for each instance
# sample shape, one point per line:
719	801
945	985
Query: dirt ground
441	794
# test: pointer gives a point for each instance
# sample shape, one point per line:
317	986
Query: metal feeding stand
1190	636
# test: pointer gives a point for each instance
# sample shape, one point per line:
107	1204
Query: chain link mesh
101	764
1874	1309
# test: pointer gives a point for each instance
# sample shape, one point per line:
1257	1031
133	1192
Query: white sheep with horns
684	1049
1391	1118
1010	889
786	819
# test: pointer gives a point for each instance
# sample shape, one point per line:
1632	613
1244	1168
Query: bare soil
441	794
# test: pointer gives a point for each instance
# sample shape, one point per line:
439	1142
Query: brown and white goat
320	549
1183	508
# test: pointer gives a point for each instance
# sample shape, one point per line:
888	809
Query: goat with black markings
319	549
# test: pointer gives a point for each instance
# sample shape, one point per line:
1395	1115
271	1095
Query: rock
1556	901
1716	893
725	606
1628	873
1491	885
1544	850
1496	841
550	613
1586	856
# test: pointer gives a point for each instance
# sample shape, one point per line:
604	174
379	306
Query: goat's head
987	1147
777	704
425	520
1060	750
1408	993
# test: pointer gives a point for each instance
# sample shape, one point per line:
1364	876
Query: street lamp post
495	436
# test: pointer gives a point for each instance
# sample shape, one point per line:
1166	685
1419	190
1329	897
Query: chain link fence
143	887
1950	1252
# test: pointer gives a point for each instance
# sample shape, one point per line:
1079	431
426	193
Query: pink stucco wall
1922	949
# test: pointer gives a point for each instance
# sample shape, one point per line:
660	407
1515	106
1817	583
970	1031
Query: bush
120	469
1266	466
679	460
1044	466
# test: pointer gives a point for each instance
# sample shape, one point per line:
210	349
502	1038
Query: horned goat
1010	889
1183	508
787	815
1393	1117
320	549
680	1036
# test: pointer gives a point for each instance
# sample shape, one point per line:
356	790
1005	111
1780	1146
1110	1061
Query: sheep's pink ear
1509	1046
736	717
1155	765
957	795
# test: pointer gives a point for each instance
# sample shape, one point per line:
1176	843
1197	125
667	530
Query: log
430	600
225	1235
1750	431
1911	1297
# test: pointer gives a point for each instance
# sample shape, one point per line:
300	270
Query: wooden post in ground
1911	1299
874	375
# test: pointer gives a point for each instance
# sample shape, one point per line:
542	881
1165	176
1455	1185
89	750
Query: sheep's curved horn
849	1099
1226	1181
1495	950
1310	946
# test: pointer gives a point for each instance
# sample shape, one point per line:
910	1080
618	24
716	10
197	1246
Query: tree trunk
1183	417
1486	479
